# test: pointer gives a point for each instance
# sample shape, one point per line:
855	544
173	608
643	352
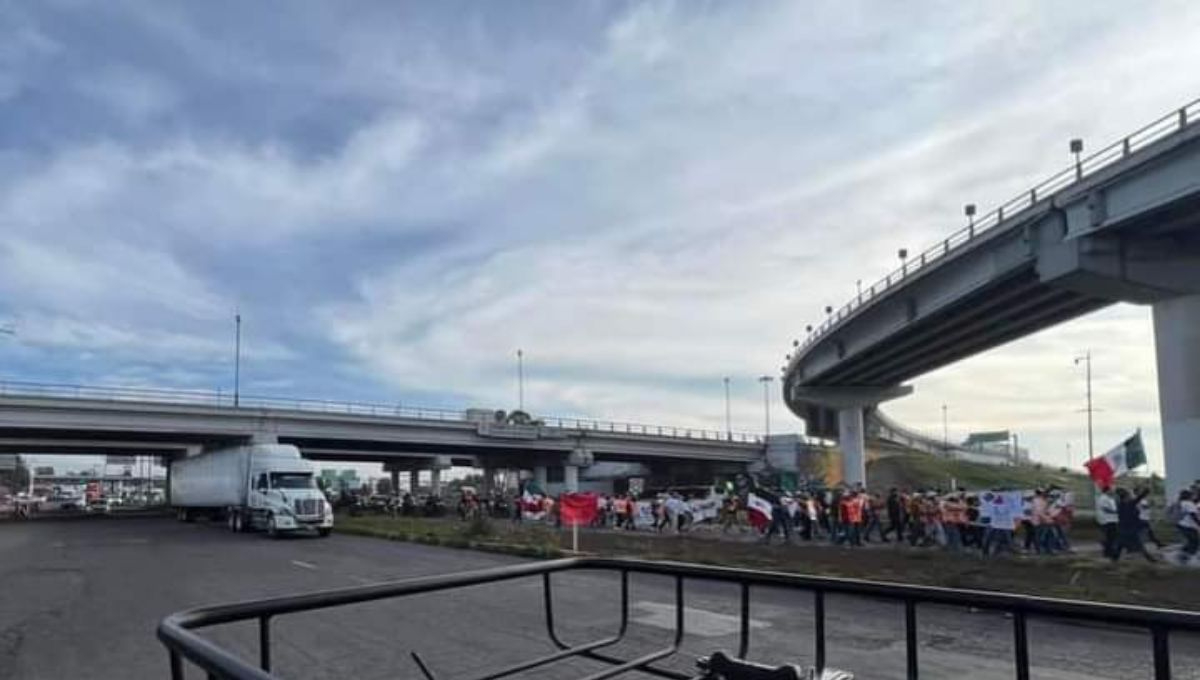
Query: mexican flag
759	510
1126	456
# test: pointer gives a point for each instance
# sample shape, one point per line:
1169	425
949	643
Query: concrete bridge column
853	445
435	474
849	402
578	458
1177	347
489	477
395	482
540	477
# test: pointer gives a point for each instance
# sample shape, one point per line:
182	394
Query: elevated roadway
1122	225
89	420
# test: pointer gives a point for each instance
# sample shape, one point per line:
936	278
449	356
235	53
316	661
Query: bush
479	527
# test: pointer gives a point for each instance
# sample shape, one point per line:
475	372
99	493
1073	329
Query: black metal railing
177	631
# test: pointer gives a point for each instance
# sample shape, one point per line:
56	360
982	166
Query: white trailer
257	486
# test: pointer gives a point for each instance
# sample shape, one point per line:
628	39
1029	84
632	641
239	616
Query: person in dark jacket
895	513
1129	527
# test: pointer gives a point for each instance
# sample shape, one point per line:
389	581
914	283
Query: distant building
340	480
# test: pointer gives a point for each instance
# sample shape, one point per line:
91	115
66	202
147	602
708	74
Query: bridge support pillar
435	482
1177	348
489	477
849	401
853	444
395	482
540	477
571	478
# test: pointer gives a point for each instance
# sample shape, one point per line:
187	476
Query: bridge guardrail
1170	124
223	399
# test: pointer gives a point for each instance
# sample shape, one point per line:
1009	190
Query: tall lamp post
1086	359
728	420
766	380
520	379
945	429
237	359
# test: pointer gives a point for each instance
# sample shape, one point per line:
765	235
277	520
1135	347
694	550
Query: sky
643	197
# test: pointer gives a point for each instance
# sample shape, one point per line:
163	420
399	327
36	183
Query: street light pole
520	380
728	426
766	380
1087	360
237	360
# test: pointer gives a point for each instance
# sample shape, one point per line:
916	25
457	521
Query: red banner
577	508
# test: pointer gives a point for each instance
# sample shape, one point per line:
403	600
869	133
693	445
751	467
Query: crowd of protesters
956	520
1036	522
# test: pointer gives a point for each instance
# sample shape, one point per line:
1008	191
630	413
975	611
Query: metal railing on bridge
1172	123
226	399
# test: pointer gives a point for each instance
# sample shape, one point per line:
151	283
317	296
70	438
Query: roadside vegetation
1082	577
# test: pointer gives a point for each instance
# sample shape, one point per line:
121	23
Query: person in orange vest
852	517
954	517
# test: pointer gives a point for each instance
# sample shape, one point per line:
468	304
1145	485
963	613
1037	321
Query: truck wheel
231	520
239	523
272	530
324	533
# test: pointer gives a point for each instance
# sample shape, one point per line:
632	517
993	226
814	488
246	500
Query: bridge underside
1007	309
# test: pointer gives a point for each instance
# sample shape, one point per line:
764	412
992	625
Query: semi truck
266	487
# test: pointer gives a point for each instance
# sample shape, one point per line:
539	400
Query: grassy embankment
1073	576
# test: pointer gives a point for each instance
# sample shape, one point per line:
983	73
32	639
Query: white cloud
644	209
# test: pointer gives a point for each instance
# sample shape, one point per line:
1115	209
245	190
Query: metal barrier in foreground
177	631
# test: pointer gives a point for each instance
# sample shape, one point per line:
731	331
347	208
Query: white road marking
695	621
304	565
58	544
364	581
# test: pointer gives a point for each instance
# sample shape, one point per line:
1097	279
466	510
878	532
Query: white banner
1001	509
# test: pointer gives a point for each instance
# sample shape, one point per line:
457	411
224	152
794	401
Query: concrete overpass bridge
63	419
1122	225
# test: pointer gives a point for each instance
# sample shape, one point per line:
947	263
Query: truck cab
284	497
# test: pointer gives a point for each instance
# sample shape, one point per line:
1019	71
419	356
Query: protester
1106	517
1128	527
1188	525
1145	529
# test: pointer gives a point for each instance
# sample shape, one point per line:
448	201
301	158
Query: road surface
80	599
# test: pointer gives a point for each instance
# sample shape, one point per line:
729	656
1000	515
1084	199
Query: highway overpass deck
1121	225
78	419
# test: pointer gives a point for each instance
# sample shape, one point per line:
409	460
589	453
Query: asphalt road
81	599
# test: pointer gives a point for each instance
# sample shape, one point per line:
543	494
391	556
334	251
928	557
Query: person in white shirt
1106	517
1144	526
1188	525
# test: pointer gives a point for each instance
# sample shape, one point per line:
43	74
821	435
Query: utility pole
945	429
766	380
1087	361
728	427
237	360
520	380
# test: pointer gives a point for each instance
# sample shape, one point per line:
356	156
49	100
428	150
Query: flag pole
575	537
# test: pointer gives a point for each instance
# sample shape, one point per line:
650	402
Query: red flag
577	508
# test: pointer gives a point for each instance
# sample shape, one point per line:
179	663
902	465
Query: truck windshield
292	480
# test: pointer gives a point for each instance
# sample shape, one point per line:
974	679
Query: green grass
917	470
488	535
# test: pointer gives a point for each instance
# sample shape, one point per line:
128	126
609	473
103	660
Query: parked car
99	506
